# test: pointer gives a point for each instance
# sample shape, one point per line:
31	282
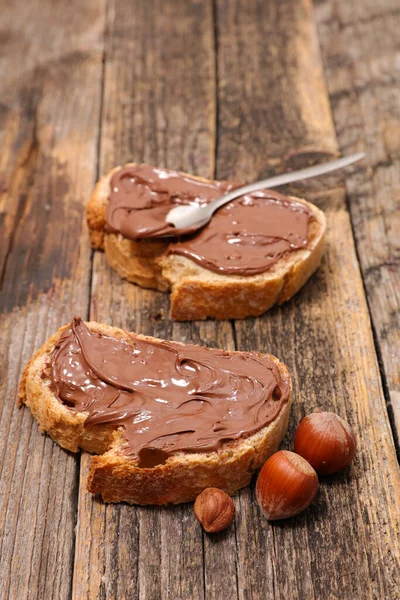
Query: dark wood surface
219	88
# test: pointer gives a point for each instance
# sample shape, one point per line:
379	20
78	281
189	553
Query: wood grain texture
347	544
260	105
159	107
49	89
360	48
265	48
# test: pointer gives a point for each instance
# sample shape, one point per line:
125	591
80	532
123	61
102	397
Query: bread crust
197	293
116	476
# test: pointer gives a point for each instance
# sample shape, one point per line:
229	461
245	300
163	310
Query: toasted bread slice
197	293
115	475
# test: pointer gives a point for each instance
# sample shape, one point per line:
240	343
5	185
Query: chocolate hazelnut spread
166	397
141	197
245	237
249	235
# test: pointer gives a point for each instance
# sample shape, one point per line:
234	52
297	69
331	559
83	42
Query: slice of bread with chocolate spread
166	419
257	251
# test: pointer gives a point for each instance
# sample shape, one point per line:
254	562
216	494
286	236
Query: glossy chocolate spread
248	235
141	197
165	396
245	237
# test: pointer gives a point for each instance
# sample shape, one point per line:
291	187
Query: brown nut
286	485
326	441
214	509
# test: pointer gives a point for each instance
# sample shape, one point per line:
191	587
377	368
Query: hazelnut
214	509
286	485
326	441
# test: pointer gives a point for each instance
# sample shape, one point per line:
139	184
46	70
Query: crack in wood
343	25
20	185
395	264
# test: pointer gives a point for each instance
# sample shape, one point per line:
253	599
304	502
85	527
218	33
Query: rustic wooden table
223	88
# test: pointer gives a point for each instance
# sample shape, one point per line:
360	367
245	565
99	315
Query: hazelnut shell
286	485
326	441
214	509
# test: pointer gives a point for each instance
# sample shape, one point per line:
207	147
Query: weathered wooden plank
49	82
273	103
258	43
159	107
360	48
